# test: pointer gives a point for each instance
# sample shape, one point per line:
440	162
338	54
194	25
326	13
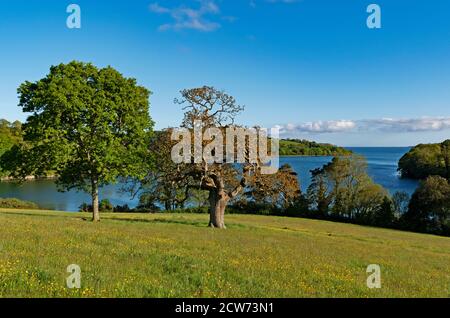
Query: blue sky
310	66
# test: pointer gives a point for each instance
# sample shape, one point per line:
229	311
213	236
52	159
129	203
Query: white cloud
189	18
424	124
331	126
408	125
200	18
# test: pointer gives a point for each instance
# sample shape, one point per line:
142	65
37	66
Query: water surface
382	167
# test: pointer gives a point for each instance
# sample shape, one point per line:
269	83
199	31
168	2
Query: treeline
430	205
297	147
343	191
340	191
426	160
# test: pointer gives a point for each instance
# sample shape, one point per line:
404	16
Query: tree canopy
88	125
10	135
429	208
425	160
344	190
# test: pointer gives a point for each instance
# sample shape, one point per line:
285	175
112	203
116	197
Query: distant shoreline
290	156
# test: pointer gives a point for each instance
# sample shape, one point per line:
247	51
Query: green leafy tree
384	216
89	126
319	193
10	135
429	209
343	189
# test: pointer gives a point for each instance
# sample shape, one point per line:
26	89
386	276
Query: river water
382	167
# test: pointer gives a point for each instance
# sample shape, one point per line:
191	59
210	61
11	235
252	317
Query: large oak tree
88	125
222	180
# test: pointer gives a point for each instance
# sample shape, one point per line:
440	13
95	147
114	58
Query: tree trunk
218	201
95	210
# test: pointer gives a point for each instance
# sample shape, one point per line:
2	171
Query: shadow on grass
42	214
200	224
158	220
81	217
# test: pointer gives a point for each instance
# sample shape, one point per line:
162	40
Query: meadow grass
177	255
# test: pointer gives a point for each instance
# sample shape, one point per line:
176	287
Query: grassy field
129	255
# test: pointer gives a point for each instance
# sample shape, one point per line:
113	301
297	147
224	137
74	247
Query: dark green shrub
123	209
104	206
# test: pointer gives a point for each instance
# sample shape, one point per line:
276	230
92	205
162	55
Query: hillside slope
162	255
